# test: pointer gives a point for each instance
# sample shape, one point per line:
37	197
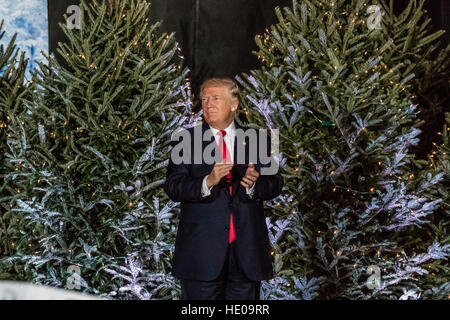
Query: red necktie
226	156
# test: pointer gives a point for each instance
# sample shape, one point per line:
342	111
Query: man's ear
235	106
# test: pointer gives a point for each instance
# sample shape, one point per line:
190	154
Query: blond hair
219	82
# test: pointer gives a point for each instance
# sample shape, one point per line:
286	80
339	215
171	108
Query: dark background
216	36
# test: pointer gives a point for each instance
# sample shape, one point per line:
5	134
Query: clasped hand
220	170
251	175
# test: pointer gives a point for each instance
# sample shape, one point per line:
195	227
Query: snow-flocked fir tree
13	91
331	83
420	52
437	282
89	160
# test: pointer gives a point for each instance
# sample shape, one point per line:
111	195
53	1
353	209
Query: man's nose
208	103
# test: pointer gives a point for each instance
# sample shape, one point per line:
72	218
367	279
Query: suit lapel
205	143
239	169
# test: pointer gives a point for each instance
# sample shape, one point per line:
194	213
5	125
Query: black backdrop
217	36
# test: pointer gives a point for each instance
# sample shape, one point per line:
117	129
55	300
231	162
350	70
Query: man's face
218	106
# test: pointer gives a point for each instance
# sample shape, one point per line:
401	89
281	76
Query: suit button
226	228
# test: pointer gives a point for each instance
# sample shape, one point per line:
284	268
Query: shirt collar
229	130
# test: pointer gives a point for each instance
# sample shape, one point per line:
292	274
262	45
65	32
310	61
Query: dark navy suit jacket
202	236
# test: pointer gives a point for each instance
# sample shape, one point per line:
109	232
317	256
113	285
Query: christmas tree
437	282
88	161
426	59
13	91
421	54
342	101
418	55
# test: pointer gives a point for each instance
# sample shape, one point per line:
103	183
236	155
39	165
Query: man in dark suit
222	248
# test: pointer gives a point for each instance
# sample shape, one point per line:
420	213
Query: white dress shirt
229	141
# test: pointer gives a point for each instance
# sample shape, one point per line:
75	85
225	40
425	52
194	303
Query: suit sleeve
180	186
268	187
